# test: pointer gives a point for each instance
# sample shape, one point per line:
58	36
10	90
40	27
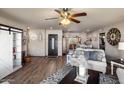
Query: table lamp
121	47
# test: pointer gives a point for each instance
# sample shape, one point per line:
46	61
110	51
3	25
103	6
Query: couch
95	58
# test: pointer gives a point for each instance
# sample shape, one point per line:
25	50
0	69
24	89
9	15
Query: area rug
108	79
58	76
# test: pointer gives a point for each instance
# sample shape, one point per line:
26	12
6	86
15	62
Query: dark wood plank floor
37	70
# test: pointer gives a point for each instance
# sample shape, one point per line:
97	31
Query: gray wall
110	50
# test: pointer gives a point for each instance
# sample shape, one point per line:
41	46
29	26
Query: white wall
95	38
81	34
109	49
38	44
70	35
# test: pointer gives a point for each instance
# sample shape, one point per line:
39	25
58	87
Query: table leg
111	68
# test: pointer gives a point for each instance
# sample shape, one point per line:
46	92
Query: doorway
53	45
102	41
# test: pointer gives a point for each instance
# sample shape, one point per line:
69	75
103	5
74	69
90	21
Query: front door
53	45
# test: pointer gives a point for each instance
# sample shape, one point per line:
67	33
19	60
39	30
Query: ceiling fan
66	16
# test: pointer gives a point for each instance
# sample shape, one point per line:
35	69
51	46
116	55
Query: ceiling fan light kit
65	21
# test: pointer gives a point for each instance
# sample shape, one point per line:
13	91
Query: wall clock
113	36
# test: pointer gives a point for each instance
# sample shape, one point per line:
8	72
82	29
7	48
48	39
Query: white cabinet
10	52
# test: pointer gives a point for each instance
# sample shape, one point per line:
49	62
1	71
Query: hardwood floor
37	70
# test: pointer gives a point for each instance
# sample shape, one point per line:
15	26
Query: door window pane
53	43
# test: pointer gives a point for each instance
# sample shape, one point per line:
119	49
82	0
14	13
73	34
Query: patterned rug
108	79
61	73
58	76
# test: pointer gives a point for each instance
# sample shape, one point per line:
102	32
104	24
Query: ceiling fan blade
79	14
74	20
51	18
59	12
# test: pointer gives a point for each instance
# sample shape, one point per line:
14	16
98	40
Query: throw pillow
86	54
95	55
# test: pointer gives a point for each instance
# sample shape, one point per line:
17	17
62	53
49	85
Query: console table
117	62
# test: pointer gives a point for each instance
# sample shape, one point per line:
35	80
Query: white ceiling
34	17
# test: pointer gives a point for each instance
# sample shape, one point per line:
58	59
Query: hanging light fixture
65	21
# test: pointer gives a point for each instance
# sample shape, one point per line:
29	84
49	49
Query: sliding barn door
6	58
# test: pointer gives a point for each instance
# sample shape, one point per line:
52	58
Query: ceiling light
65	21
66	14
